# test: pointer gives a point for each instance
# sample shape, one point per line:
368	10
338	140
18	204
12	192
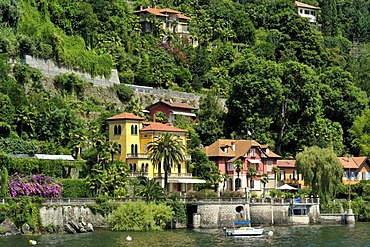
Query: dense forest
287	83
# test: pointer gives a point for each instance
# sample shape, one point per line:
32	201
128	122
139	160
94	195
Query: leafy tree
167	150
322	170
211	119
360	134
160	117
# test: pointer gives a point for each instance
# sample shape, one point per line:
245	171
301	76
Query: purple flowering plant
33	185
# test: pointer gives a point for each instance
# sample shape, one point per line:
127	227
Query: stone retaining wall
50	69
58	216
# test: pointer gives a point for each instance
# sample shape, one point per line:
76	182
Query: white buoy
271	233
128	238
32	242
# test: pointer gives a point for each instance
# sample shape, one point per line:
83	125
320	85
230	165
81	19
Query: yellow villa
133	134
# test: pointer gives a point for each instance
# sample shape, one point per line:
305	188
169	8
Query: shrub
75	188
124	93
179	209
35	185
228	193
140	216
202	193
104	208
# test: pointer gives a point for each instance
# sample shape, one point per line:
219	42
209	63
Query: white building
307	11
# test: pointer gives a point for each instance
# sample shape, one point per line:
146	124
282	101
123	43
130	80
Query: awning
54	157
254	161
188	114
187	181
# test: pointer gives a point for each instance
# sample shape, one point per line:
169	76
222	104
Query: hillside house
133	135
172	109
355	169
225	153
173	21
307	11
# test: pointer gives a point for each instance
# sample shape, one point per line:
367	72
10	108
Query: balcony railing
136	174
174	175
137	156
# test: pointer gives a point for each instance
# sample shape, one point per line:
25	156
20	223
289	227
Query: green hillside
289	83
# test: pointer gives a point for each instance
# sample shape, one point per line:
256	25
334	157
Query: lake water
314	235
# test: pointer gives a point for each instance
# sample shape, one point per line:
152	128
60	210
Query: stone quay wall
218	215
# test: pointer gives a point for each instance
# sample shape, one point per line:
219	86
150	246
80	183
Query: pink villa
225	153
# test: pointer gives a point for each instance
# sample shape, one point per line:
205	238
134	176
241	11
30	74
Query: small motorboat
243	229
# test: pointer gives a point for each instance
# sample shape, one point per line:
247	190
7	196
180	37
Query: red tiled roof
162	12
241	147
181	16
304	5
152	11
155	126
352	162
285	163
168	10
174	104
125	115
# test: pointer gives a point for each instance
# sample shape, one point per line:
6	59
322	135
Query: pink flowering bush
35	185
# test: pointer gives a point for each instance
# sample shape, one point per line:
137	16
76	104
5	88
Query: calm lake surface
316	235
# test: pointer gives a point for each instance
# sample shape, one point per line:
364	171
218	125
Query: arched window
134	167
135	129
131	167
142	167
120	148
132	150
119	129
115	130
179	168
132	130
136	150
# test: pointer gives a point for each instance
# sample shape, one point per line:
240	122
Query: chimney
141	7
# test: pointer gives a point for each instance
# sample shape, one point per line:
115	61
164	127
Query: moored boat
243	229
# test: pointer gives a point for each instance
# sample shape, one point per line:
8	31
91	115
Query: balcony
174	175
137	156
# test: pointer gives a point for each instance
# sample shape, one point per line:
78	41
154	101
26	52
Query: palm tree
238	167
276	171
251	174
149	189
225	178
168	150
264	180
112	148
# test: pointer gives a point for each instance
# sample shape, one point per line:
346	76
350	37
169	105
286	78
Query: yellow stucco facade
133	135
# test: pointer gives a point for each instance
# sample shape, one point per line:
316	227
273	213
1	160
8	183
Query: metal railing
174	175
137	156
86	201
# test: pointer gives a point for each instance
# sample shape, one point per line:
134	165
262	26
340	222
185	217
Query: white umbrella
286	187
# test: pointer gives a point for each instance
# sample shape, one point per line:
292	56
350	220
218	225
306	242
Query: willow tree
321	169
167	150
